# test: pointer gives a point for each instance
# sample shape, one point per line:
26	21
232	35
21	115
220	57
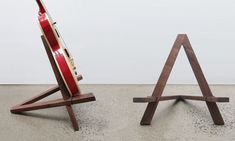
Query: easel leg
212	106
72	117
148	114
215	113
151	108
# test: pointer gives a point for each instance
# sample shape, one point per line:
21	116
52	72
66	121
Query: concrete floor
113	117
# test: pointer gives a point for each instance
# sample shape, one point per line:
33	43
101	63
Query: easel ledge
180	97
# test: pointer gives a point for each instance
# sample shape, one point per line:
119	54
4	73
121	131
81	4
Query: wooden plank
204	98
212	106
143	99
40	96
63	88
173	97
54	103
161	83
217	99
152	99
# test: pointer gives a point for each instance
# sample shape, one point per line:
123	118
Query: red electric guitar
61	55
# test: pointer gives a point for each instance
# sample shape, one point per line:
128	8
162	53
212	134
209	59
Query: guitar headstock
42	8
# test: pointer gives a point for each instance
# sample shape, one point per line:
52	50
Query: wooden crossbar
180	97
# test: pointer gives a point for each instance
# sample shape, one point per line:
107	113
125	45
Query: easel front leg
215	113
149	112
151	108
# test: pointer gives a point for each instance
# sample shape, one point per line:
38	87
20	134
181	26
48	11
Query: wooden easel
67	100
182	40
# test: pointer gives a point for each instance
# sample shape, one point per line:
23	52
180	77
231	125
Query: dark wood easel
67	100
182	40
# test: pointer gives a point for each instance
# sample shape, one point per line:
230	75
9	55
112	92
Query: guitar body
60	54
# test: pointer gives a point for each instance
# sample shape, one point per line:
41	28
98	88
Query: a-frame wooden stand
67	100
182	40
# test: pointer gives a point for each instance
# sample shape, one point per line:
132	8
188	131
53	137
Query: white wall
120	41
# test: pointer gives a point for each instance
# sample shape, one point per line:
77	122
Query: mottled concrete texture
114	117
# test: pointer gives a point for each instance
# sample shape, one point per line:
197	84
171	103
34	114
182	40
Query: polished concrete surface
114	117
